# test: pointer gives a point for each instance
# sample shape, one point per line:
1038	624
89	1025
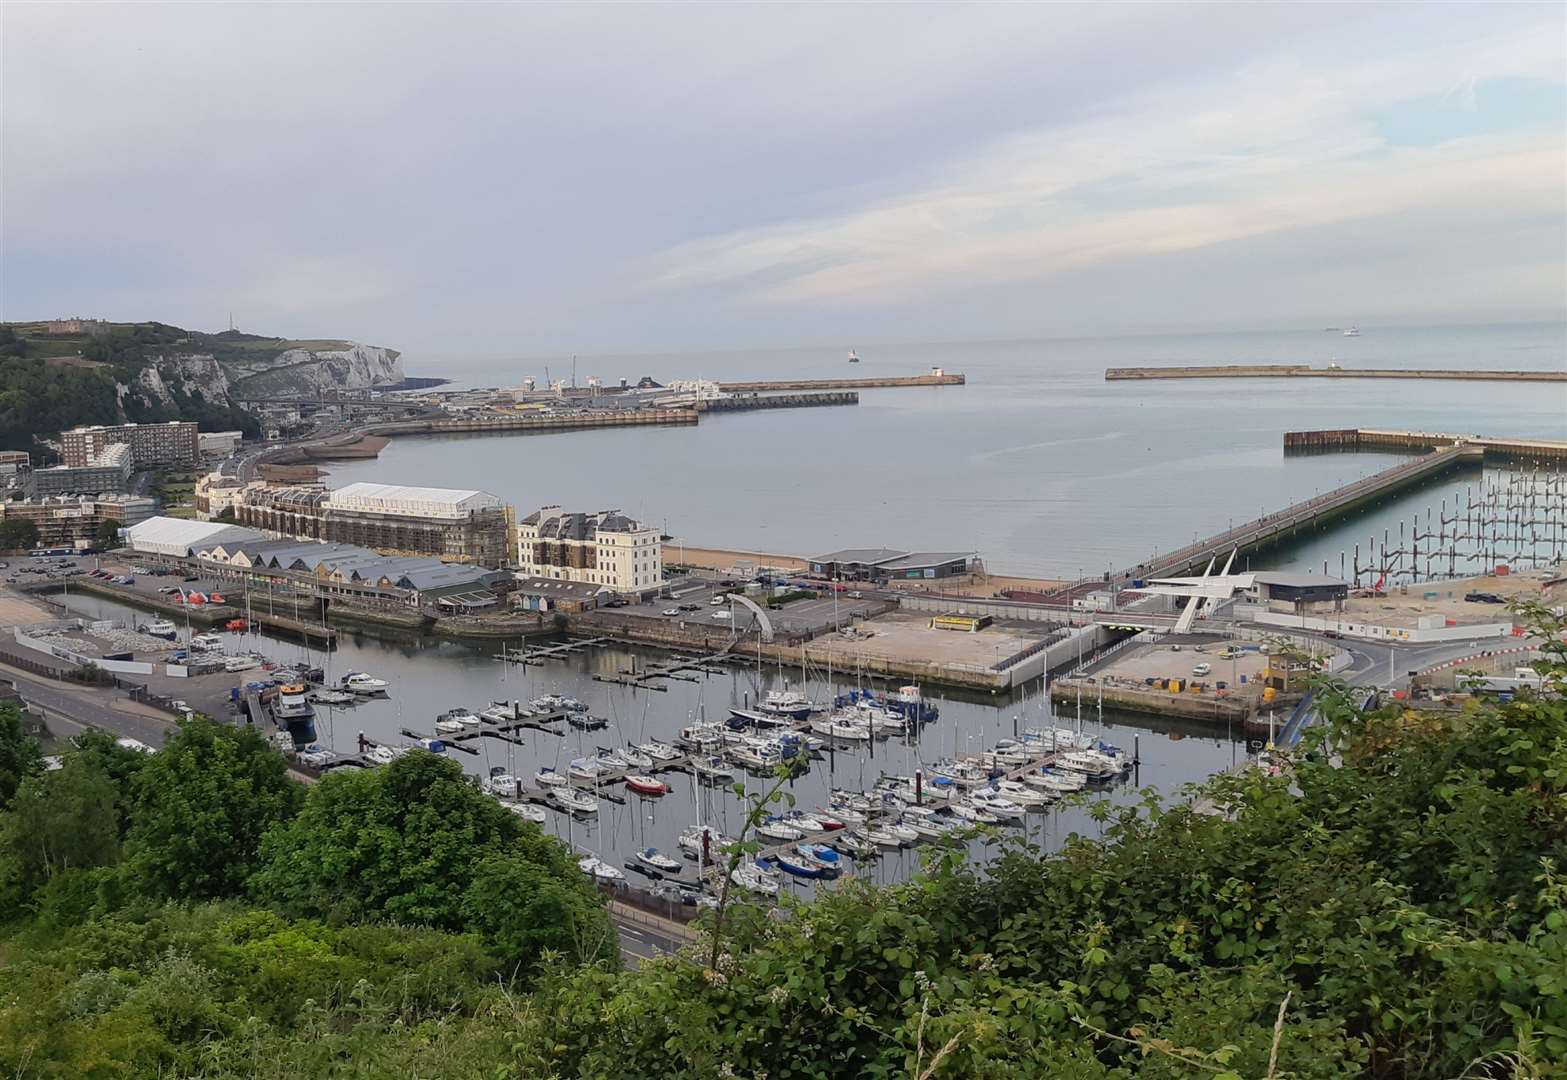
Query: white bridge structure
1202	593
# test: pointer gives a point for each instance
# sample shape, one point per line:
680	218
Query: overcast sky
527	178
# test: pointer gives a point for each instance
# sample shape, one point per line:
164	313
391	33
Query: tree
108	534
415	842
201	806
19	753
119	763
17	534
61	820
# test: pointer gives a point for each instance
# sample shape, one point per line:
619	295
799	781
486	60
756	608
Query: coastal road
73	709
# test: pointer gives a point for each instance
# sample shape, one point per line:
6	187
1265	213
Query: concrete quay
1309	513
1305	371
873	382
523	424
1348	439
778	401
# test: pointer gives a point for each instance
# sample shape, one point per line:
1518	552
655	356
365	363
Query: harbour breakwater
935	378
1305	371
1351	439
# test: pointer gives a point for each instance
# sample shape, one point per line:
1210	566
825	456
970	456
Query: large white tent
179	537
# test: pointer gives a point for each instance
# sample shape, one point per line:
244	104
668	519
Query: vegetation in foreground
1392	904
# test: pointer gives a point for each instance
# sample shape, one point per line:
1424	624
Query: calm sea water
1037	463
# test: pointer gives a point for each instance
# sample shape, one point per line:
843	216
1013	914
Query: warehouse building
604	548
180	538
173	443
884	564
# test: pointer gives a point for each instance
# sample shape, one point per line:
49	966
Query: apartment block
173	443
604	548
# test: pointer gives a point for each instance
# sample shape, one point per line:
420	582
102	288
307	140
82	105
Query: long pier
1306	371
1349	439
935	378
778	401
1309	513
523	424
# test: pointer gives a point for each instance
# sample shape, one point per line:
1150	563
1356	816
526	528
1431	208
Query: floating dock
1309	513
763	386
1305	371
1350	439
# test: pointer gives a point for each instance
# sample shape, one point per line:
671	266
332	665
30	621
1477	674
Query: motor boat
691	840
317	757
970	812
206	642
775	828
712	769
662	863
242	662
385	755
454	720
502	783
550	778
702	738
586	722
990	801
527	811
600	870
434	746
643	784
838	725
827	821
357	682
843	798
754	757
905	834
880	720
573	801
1094	767
786	703
161	628
911	703
928	822
1059	738
332	697
882	837
753	878
1024	795
550	703
962	773
659	751
930	788
292	703
1058	780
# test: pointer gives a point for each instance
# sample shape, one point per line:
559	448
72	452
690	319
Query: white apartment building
604	548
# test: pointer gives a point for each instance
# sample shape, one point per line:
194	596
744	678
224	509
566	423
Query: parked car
721	615
1484	598
671	612
856	595
1202	669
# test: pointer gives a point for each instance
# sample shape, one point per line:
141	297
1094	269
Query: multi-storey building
460	526
109	471
74	522
173	443
604	548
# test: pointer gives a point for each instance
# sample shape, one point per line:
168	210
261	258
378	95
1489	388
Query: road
72	709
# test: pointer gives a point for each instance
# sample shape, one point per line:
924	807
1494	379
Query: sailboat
854	357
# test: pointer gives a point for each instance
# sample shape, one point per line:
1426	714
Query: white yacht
753	878
600	870
691	840
573	801
357	682
659	751
527	811
1023	795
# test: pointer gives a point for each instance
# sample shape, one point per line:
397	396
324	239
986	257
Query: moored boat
643	784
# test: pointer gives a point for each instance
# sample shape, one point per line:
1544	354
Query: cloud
564	177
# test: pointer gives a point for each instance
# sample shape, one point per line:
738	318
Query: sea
1037	463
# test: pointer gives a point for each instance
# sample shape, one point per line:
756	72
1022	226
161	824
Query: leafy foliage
201	806
416	842
19	755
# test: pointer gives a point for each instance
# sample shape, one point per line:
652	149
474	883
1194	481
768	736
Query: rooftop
1293	580
182	531
869	556
924	558
467	498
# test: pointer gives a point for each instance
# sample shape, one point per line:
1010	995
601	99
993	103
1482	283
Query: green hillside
52	381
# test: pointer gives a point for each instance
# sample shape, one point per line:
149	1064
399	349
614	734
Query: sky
494	179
